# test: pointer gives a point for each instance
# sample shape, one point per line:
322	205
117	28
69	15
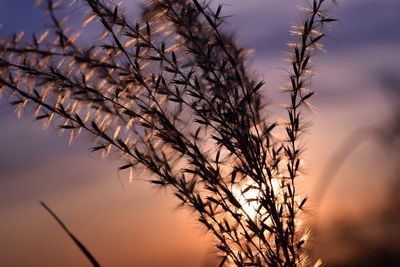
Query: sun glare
248	198
248	195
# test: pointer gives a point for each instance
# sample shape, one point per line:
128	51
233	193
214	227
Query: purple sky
85	191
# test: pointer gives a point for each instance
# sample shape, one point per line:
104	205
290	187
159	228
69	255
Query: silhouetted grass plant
171	94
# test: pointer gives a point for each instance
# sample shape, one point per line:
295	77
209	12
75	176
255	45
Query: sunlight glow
248	195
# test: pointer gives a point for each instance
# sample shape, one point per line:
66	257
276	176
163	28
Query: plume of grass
171	94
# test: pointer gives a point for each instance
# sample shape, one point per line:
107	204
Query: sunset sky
137	224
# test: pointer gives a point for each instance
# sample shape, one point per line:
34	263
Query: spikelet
89	19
